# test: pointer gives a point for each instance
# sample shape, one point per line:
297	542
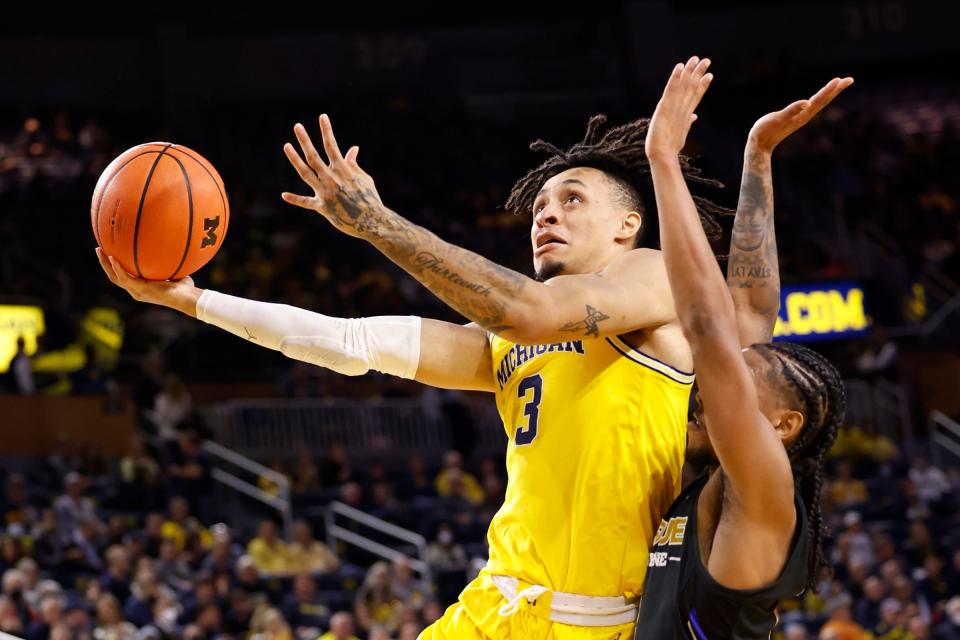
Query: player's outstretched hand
771	129
675	112
179	294
342	191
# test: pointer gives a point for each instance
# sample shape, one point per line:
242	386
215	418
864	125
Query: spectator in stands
930	481
51	613
304	553
139	478
210	620
76	617
10	620
239	614
110	622
867	612
418	481
268	551
307	474
335	467
248	578
890	624
444	554
840	625
82	554
376	603
848	491
21	369
405	586
341	627
304	609
453	481
351	494
172	569
16	507
180	525
274	627
91	379
171	406
854	544
795	631
879	357
188	468
949	629
139	607
383	505
116	580
73	505
378	633
223	553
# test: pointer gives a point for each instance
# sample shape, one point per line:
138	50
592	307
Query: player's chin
546	268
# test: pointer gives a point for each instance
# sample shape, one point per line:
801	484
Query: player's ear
630	225
788	426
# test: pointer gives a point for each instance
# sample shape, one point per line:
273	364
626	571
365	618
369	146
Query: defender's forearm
753	273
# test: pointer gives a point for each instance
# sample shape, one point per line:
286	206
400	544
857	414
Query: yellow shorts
476	616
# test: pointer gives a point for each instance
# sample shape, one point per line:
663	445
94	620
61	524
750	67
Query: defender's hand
675	112
771	129
180	294
342	191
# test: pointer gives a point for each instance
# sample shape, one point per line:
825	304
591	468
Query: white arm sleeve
351	346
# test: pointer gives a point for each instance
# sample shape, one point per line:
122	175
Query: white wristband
351	346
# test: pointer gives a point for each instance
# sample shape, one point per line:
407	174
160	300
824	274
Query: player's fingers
701	69
310	153
691	65
794	108
329	140
308	174
673	80
351	156
305	202
105	265
124	279
702	87
825	96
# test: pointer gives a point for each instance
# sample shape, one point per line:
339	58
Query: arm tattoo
479	289
753	247
588	325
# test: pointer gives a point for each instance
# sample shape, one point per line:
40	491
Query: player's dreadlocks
819	389
619	152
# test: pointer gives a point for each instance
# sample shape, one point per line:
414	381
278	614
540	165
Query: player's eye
573	198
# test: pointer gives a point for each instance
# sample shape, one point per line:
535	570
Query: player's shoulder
637	262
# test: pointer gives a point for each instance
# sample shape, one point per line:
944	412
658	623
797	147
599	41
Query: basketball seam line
143	197
96	229
221	192
186	248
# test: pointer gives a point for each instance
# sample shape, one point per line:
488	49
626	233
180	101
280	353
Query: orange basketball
161	210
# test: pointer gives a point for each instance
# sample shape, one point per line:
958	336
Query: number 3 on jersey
531	409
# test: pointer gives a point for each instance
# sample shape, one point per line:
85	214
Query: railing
279	501
277	428
944	437
336	532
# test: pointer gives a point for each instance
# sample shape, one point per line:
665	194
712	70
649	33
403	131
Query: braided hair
818	388
619	152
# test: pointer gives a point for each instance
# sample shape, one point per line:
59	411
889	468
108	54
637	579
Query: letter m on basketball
210	226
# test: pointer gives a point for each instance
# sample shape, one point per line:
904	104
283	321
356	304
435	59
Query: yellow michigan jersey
597	432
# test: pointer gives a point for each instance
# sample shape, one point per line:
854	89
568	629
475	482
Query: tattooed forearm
481	290
753	248
589	325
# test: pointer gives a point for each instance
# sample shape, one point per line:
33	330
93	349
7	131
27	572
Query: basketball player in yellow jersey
588	363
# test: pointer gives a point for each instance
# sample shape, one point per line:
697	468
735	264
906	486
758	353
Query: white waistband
569	608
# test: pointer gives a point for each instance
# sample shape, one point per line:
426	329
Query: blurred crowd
93	548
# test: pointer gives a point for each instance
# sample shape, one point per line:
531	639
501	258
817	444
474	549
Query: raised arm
750	453
436	353
753	272
623	298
